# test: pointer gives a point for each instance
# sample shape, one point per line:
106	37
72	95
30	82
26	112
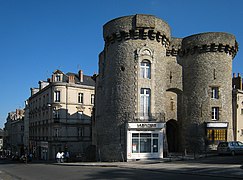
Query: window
219	135
58	77
215	93
215	113
216	135
92	98
57	96
145	142
145	69
80	98
80	132
145	102
241	111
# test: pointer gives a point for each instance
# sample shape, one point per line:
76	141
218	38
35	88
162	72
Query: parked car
231	147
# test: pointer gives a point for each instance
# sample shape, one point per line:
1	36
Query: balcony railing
153	117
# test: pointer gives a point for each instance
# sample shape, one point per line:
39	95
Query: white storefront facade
145	140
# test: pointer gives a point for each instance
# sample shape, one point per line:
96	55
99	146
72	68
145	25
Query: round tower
207	86
132	70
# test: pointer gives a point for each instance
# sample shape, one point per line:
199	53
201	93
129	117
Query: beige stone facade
60	113
155	91
14	133
237	108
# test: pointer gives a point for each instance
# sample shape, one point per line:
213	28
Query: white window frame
81	98
145	69
57	96
145	100
215	113
215	93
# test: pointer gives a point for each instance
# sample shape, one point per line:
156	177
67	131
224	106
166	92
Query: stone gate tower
207	87
154	92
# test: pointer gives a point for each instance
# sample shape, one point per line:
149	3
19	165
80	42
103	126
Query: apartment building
237	107
14	133
60	111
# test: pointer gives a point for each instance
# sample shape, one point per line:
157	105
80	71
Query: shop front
145	140
216	132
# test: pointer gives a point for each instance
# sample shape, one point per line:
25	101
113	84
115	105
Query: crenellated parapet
134	34
139	26
226	48
205	42
175	47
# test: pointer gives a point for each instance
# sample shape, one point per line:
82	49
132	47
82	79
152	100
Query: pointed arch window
145	69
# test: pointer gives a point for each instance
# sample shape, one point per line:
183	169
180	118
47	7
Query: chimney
71	79
81	76
237	82
17	112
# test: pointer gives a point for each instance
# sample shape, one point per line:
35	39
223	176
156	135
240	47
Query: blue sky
39	36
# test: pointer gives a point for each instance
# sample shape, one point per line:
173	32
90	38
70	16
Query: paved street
218	167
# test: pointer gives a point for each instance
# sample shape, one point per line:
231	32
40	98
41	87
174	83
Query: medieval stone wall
182	72
207	62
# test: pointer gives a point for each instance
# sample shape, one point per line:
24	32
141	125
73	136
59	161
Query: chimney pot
81	76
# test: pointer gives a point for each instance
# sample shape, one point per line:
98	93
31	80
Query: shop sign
217	125
145	125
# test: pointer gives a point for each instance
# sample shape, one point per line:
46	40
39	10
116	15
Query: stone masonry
183	70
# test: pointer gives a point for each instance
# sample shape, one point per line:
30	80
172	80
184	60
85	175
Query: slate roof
87	80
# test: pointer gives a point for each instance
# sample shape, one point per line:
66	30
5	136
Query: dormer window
58	77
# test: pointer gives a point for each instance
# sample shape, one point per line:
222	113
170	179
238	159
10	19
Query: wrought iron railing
153	117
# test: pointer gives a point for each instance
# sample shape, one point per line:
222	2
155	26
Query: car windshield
240	143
